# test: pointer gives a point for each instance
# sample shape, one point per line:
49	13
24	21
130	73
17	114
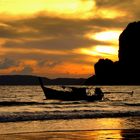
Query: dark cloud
43	26
6	63
7	32
125	5
48	63
63	43
130	7
55	33
27	70
108	3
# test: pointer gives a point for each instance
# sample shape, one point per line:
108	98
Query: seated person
98	92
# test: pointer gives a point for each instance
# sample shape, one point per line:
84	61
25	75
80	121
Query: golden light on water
107	124
105	134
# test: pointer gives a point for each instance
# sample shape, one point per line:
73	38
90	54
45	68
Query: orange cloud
11	69
32	51
67	69
100	51
59	8
75	32
110	13
68	9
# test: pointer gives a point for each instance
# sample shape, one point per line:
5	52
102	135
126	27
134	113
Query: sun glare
108	36
106	49
100	51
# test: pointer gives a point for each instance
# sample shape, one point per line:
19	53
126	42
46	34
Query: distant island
125	71
33	80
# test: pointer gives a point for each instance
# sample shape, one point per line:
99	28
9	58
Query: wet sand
78	129
131	134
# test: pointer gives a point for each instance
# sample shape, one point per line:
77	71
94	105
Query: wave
53	115
15	103
132	104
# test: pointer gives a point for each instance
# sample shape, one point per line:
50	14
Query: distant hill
33	80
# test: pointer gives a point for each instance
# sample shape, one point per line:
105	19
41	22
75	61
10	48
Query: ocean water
25	109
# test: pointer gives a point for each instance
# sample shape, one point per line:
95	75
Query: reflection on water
83	129
70	125
77	135
112	123
104	134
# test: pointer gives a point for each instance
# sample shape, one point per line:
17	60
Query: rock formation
127	69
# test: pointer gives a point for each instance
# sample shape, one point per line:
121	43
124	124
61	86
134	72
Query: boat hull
76	94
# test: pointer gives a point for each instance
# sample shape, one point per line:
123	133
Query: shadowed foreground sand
76	135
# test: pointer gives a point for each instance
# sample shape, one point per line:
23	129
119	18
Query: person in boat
98	92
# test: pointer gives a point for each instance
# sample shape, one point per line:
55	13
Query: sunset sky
61	38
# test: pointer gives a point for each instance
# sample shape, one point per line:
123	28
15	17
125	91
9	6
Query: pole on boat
41	83
129	92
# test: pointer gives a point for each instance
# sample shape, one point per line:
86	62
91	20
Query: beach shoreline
77	129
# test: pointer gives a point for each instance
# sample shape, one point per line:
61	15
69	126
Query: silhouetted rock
104	70
129	52
126	70
129	42
91	80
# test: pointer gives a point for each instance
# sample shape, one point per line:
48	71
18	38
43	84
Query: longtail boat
71	95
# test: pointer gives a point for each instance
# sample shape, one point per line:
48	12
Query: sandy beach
77	135
82	129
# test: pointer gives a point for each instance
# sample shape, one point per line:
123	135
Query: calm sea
24	109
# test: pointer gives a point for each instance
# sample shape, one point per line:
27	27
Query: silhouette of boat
71	95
